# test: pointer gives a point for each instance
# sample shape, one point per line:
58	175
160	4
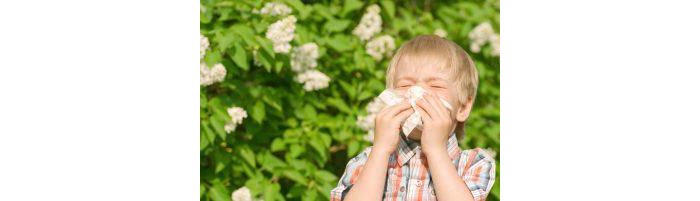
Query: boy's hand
387	126
438	124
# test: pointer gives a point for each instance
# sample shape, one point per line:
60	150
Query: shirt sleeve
478	170
352	171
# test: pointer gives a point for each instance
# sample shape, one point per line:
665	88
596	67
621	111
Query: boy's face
435	80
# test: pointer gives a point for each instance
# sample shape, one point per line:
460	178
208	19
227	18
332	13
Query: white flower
281	33
370	136
313	80
375	106
495	42
366	122
304	57
218	72
275	9
370	24
481	34
237	115
208	76
242	194
381	46
203	45
440	32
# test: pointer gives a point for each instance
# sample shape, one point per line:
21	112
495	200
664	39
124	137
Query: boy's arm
447	183
437	125
370	183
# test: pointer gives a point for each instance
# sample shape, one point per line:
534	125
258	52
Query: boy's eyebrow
430	79
406	78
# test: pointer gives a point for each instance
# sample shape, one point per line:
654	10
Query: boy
428	164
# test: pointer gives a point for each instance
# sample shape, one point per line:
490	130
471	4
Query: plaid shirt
408	177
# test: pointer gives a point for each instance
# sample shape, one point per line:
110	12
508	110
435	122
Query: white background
99	100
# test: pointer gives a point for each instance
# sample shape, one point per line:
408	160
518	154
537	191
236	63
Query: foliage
294	144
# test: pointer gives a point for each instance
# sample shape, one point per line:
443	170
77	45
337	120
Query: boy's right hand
387	126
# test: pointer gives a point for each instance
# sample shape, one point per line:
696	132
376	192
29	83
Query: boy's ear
464	110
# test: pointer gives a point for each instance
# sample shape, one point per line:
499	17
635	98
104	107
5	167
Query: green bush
294	143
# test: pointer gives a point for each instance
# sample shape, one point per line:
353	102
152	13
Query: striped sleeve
478	171
352	171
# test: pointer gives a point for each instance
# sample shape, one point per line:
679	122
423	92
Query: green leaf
349	89
295	176
300	7
351	5
203	141
340	43
202	189
218	192
336	25
326	176
245	33
224	40
266	45
277	145
271	162
310	196
239	57
317	144
218	127
340	104
353	147
202	101
248	155
258	112
295	150
365	95
389	7
309	112
208	133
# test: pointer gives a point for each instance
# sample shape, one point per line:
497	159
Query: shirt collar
407	148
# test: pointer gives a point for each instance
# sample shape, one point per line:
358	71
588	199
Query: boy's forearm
447	183
370	183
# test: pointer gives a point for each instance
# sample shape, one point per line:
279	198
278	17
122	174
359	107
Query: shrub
283	85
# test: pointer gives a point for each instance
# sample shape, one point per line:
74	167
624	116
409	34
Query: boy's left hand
438	124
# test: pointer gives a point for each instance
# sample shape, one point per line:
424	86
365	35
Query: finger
404	105
439	108
400	117
421	106
429	108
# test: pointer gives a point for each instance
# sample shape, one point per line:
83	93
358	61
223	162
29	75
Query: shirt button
419	183
403	189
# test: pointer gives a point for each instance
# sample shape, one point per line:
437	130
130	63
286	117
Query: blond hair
462	69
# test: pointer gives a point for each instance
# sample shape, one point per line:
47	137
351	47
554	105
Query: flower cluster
243	194
304	57
381	46
313	80
208	76
237	114
275	9
366	123
370	24
440	32
483	33
281	33
203	45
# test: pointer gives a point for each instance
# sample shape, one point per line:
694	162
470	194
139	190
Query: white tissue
414	94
